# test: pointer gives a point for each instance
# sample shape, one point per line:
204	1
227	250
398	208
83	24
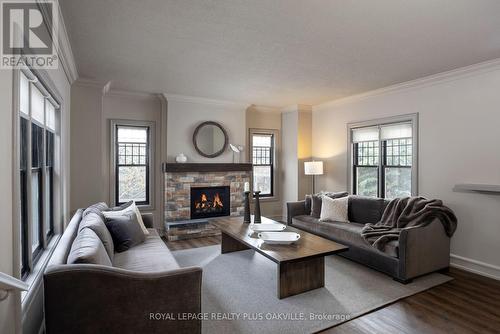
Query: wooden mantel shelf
205	167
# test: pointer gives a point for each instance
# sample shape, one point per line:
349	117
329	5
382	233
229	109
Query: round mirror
210	139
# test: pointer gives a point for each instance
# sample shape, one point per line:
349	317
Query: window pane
262	140
50	149
367	181
262	179
49	216
37	104
397	182
132	184
36	146
35	209
24	95
50	116
127	134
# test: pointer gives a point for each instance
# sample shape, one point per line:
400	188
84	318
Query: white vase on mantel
181	158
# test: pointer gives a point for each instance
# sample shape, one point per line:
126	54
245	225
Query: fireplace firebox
209	202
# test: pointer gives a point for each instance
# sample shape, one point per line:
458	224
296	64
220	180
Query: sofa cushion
366	210
96	208
88	248
126	209
317	200
152	255
348	234
334	209
95	222
125	231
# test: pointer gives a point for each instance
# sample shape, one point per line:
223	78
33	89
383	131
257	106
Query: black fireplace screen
209	202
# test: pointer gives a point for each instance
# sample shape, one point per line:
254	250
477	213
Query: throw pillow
96	208
308	204
125	231
94	222
88	248
126	209
334	209
316	201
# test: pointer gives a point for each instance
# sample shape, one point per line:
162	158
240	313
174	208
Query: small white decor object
279	238
267	227
181	158
247	186
334	209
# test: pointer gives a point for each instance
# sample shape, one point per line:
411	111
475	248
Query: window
383	157
263	160
132	163
38	116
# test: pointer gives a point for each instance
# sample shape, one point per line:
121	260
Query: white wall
459	139
184	115
296	148
93	111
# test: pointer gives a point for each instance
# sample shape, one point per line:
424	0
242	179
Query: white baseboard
474	266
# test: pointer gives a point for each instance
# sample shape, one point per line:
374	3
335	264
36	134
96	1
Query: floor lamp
313	168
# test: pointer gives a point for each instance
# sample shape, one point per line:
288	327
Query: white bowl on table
279	238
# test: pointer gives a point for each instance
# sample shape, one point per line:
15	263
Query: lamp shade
313	168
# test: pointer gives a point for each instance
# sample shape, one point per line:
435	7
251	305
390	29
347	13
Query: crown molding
64	49
439	78
202	100
103	86
61	43
129	93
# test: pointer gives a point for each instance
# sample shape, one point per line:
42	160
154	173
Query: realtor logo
26	36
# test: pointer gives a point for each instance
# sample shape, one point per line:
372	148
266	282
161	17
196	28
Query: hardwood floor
468	304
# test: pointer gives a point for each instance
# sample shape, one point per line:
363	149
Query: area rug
239	293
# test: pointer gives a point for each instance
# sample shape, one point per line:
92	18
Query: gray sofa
144	284
417	252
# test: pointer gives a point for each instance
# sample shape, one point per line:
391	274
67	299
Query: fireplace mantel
206	167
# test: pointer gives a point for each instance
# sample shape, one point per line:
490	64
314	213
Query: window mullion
29	196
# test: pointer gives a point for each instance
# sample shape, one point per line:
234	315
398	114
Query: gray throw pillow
120	207
316	201
125	231
316	205
96	208
88	248
308	204
95	222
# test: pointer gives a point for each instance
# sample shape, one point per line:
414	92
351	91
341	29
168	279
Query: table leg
229	244
300	276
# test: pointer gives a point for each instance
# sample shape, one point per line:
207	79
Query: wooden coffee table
301	266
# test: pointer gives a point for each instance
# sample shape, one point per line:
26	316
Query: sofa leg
403	281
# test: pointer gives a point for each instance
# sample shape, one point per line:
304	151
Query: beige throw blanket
405	213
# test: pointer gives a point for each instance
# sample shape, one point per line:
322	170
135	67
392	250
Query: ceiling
276	52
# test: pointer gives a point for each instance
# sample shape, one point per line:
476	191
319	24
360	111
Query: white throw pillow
132	208
334	209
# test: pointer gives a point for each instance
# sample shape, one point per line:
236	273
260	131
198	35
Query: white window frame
276	146
151	151
40	79
408	118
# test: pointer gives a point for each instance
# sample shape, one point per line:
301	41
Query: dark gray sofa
143	284
417	252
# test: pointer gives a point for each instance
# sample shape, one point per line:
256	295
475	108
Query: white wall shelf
482	188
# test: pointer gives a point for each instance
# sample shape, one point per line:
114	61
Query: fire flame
205	203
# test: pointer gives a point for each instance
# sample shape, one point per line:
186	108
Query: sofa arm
295	209
423	250
148	219
98	299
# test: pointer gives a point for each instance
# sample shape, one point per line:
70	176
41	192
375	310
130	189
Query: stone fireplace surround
179	178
